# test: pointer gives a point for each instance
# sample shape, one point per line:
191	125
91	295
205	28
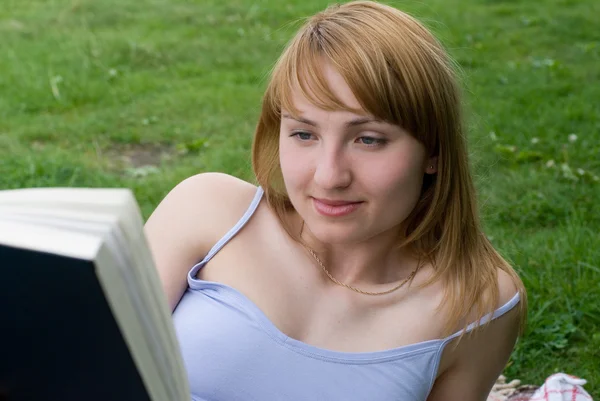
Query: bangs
301	71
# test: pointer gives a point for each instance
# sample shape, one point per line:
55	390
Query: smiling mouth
335	208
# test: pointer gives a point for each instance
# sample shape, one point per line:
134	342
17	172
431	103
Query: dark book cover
58	338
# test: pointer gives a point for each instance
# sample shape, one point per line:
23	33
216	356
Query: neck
375	261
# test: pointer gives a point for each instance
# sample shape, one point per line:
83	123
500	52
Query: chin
341	232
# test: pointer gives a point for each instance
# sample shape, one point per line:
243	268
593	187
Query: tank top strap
489	317
230	234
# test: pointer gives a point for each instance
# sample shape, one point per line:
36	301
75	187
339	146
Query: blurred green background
143	93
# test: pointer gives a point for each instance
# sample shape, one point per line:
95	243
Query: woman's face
349	177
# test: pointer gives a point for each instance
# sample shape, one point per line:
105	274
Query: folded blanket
562	387
558	387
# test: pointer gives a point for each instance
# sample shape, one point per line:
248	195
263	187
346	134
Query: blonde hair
401	74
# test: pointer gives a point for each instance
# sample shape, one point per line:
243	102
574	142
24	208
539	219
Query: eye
372	141
302	135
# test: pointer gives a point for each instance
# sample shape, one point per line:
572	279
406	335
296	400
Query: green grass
90	91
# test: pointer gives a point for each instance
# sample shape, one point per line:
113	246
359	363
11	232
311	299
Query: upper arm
189	221
480	357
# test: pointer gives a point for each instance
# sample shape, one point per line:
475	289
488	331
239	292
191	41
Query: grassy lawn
142	94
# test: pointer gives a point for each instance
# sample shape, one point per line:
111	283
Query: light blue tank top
232	351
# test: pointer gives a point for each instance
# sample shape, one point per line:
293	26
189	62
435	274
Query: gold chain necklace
357	289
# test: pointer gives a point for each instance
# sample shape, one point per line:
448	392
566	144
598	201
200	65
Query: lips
330	202
335	208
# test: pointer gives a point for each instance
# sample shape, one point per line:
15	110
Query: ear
431	166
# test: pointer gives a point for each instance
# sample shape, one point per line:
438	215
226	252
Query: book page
144	274
28	234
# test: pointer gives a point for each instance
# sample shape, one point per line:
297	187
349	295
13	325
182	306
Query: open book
82	312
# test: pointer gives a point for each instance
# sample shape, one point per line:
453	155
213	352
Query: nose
332	169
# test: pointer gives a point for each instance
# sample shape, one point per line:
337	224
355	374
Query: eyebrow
352	123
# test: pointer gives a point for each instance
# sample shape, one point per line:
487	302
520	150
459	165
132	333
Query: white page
29	235
158	323
147	275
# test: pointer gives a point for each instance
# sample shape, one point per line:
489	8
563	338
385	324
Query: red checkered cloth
562	387
558	387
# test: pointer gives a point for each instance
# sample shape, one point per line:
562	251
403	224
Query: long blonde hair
401	74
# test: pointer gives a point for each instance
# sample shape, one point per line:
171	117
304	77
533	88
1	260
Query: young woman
356	269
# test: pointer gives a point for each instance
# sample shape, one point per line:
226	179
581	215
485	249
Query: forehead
329	92
339	87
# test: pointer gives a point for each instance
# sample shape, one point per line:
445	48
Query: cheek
401	182
402	190
292	167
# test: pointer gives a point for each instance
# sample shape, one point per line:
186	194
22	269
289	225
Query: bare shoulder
205	204
506	318
505	325
507	288
190	220
473	364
